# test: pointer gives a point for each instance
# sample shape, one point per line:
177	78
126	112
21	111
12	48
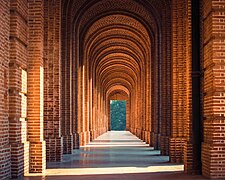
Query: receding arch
121	45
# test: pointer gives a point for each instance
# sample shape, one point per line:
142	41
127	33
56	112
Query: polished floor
114	155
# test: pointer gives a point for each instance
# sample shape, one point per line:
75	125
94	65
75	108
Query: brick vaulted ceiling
62	61
113	49
116	44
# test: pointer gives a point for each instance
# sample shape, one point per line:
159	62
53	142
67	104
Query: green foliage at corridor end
118	115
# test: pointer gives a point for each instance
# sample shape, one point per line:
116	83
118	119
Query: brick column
52	73
4	97
128	114
154	134
35	86
82	105
18	88
86	102
76	138
180	78
94	110
165	125
67	90
192	146
213	32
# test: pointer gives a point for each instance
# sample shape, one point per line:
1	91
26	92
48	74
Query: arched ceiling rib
118	94
131	8
115	38
117	71
119	42
117	61
116	48
126	56
119	21
119	81
115	89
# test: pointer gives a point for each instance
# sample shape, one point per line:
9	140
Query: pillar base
131	130
5	162
213	160
94	134
176	149
68	144
138	133
155	140
37	157
91	136
191	165
76	141
19	159
143	135
164	145
152	139
88	135
147	137
84	138
54	149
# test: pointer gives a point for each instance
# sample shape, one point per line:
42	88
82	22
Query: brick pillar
154	103
213	35
192	146
139	107
147	104
76	138
128	115
165	125
94	111
18	88
75	105
86	101
52	73
180	79
67	84
5	169
35	86
154	134
81	103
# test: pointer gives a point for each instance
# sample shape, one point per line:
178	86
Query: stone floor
114	155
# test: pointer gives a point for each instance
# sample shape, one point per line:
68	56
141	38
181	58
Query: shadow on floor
96	157
133	176
117	156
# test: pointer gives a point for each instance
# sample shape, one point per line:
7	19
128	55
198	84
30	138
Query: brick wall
165	74
66	83
46	96
213	34
35	78
180	78
5	170
52	78
18	88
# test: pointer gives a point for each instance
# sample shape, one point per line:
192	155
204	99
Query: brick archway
62	61
116	55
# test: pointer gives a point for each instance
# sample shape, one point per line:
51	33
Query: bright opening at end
118	115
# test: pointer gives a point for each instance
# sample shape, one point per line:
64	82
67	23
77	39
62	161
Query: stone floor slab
114	155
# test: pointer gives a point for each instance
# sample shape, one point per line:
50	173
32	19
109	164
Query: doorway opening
118	115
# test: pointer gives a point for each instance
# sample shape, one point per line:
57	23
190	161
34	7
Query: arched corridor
63	61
